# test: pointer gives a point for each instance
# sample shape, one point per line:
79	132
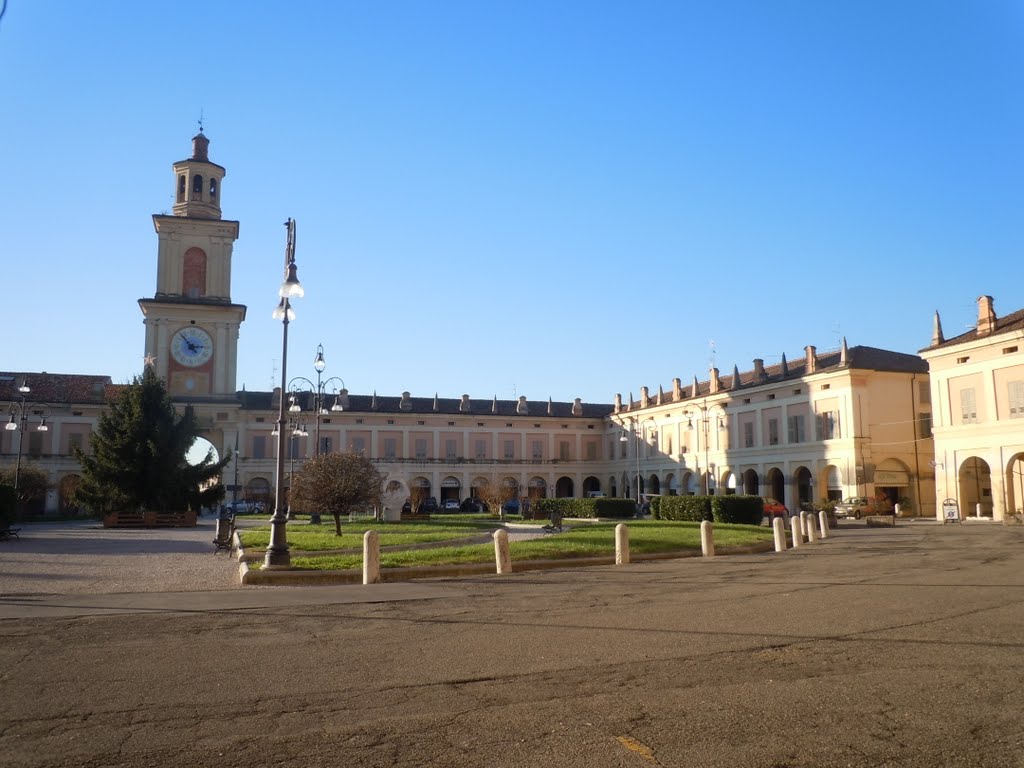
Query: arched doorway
199	449
729	483
613	489
689	484
451	488
564	488
804	493
975	486
892	480
537	488
258	490
672	484
751	483
1015	485
776	484
653	484
833	483
591	485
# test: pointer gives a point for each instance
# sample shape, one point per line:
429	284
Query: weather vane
200	119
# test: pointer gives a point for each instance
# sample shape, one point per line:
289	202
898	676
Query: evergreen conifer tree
139	455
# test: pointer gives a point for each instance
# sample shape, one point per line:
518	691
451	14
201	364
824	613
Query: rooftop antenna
273	375
711	352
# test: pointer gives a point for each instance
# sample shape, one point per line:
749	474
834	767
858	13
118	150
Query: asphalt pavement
875	647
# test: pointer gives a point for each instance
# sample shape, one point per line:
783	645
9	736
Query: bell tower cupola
198	182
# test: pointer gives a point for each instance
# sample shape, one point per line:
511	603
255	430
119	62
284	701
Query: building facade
850	422
977	381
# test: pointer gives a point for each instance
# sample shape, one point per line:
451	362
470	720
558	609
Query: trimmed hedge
601	507
745	510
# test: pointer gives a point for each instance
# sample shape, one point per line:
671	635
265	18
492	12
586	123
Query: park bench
6	532
225	534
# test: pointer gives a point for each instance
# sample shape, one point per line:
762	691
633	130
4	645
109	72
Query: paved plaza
876	647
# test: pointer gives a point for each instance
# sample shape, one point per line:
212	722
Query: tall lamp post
277	552
704	414
320	398
635	426
20	410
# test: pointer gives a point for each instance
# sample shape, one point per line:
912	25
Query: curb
257	576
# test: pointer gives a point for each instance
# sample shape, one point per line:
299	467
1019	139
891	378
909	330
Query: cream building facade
849	422
977	381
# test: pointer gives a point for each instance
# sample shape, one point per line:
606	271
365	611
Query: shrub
656	507
567	507
618	508
692	508
743	510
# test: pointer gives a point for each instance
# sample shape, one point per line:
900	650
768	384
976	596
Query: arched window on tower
213	190
193	273
181	188
197	187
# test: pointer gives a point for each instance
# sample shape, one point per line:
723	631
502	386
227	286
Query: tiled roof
858	358
57	387
1012	322
425	406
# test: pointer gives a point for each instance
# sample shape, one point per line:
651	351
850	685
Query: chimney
618	402
812	359
644	397
551	407
494	404
437	404
661	395
714	384
577	407
986	316
405	404
373	402
521	408
343	398
844	353
464	406
759	369
937	337
677	390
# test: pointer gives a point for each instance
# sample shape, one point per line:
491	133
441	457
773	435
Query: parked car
429	506
473	505
450	505
244	507
860	506
511	507
774	508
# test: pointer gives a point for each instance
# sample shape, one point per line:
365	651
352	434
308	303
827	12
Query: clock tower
191	324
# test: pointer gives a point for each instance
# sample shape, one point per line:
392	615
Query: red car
774	508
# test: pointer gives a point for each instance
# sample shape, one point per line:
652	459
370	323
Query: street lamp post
20	410
319	391
636	425
703	414
277	556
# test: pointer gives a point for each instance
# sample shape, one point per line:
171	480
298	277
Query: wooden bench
7	532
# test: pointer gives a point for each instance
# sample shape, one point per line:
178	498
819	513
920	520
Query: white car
450	505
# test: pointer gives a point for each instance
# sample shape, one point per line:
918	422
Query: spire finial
200	119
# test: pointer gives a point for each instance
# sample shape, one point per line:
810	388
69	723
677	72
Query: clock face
192	346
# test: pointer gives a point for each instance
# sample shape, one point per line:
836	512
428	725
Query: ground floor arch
591	485
1015	485
689	483
803	482
671	484
974	484
653	484
833	483
537	488
728	483
564	488
775	485
751	483
451	488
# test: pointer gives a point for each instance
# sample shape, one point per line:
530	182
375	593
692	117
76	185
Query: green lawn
317	538
586	540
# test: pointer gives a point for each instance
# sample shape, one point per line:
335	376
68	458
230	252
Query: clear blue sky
563	199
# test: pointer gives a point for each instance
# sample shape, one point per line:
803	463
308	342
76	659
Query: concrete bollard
812	531
897	510
797	530
502	558
779	528
707	539
371	557
977	509
823	522
622	544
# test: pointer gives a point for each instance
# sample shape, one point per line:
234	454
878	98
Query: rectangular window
390	446
825	425
421	448
591	451
796	429
259	447
359	445
449	450
968	406
1016	399
537	450
480	447
773	431
622	448
326	445
563	450
925	420
508	449
35	443
748	435
924	392
75	440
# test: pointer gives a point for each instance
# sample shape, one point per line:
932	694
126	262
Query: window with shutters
968	406
1016	399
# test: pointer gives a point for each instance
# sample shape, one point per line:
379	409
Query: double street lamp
20	411
705	414
277	556
636	425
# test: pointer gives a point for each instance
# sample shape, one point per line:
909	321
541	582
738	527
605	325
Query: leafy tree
139	455
32	482
336	483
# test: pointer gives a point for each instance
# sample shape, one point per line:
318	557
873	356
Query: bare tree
337	483
495	493
417	495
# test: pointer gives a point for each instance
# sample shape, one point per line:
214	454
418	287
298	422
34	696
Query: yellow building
977	381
